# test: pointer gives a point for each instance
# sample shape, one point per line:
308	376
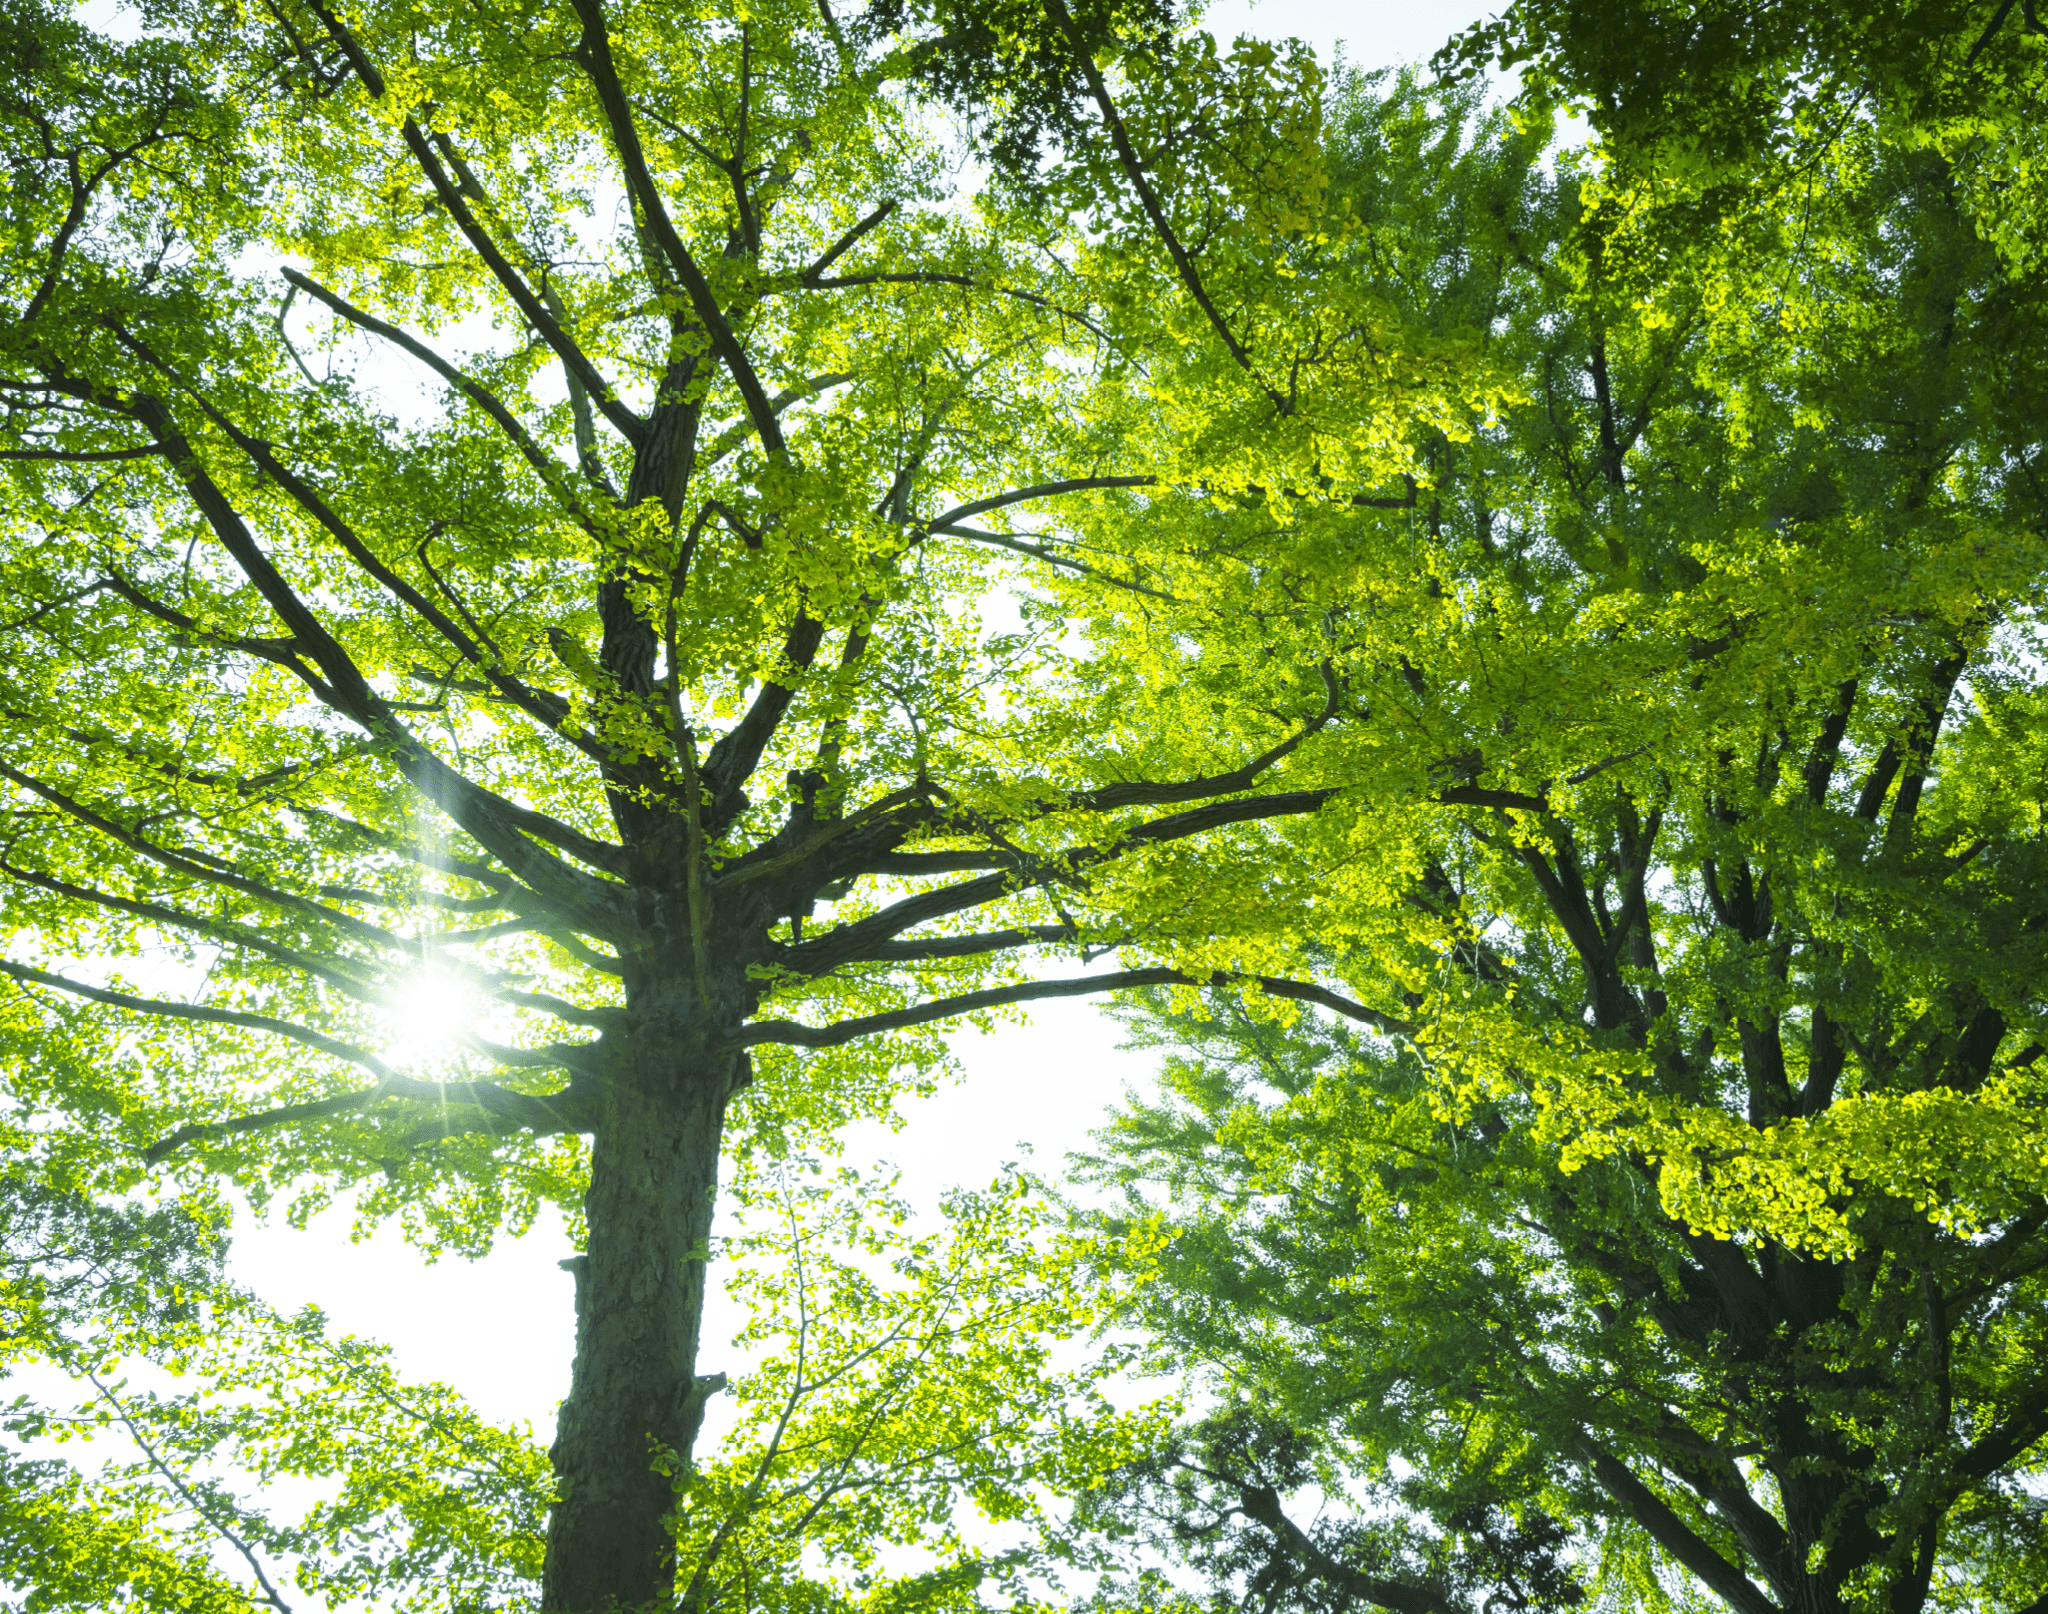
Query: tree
1667	1219
617	670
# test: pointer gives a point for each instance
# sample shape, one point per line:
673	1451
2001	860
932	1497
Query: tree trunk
640	1305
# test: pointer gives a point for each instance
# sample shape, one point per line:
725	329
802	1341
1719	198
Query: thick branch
916	863
278	652
737	752
213	929
1474	796
792	1034
548	709
1307	992
1262	1504
335	972
845	243
1672	1533
2009	1438
495	823
765	862
567	1111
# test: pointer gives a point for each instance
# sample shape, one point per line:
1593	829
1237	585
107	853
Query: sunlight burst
425	1017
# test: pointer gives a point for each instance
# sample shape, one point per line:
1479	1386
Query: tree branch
594	51
628	425
2009	1438
731	438
986	941
1261	1503
1672	1533
845	243
916	863
791	1033
193	869
940	277
1134	171
837	946
744	870
1004	540
1043	490
546	708
192	1497
570	1110
213	929
737	752
551	473
192	1011
82	456
495	823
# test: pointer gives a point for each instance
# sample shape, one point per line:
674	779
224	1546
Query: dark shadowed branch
791	1034
594	52
1148	199
1672	1533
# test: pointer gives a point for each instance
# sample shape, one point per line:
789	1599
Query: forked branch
594	51
628	425
1018	873
551	473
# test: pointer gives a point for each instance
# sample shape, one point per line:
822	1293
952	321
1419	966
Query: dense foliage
572	510
1676	1230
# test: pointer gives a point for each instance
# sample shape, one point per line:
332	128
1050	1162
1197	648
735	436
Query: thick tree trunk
640	1303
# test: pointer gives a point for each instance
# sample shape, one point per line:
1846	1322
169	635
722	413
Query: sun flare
425	1017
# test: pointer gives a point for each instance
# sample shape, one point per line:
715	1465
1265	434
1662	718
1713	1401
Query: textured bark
640	1302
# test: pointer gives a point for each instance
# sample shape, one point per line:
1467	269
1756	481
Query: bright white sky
500	1329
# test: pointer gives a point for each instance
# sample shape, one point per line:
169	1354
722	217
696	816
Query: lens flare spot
425	1017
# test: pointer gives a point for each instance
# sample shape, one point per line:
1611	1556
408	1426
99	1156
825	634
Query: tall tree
494	508
1675	1226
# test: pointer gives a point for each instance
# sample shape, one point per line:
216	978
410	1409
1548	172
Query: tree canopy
635	665
1676	1230
581	510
